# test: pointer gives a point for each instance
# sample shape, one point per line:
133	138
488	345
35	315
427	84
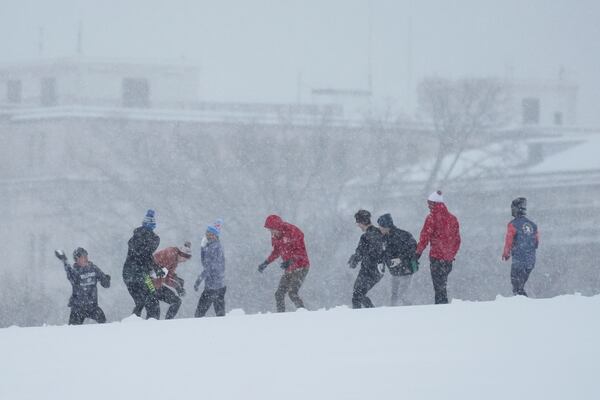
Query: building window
14	91
136	92
48	93
558	118
531	110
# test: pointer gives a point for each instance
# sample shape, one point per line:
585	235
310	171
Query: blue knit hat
149	220
215	228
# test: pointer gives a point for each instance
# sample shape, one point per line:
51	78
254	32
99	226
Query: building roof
582	155
562	160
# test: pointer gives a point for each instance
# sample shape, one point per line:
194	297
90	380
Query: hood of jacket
274	222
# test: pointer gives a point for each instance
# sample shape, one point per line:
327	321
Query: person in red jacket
288	243
169	258
441	232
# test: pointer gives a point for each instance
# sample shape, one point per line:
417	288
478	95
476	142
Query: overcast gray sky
256	50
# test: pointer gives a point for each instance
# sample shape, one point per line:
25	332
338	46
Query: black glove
179	280
105	281
159	273
180	291
353	261
60	255
284	265
262	266
197	283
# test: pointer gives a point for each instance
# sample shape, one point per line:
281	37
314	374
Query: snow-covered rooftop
583	155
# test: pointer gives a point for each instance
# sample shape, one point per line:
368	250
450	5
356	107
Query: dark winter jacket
289	245
139	262
522	240
213	261
84	280
370	251
399	244
441	230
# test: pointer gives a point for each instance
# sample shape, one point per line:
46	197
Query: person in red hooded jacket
288	243
441	232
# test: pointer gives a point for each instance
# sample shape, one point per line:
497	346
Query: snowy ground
512	348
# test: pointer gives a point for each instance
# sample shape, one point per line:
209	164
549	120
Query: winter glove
105	281
353	261
284	265
262	266
179	280
197	284
159	273
180	291
60	255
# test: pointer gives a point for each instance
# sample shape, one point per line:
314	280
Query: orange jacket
167	258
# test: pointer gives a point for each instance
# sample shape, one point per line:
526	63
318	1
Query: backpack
409	264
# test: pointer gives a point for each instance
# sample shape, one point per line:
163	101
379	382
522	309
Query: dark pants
168	296
78	314
519	274
214	297
290	283
143	298
439	275
366	279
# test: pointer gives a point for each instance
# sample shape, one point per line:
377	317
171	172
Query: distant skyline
266	50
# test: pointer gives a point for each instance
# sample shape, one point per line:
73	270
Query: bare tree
462	113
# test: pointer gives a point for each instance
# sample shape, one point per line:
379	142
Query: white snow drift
512	348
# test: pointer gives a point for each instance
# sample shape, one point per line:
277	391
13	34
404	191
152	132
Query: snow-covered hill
512	348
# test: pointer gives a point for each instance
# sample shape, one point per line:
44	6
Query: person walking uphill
399	256
169	259
522	240
369	254
442	232
288	243
84	276
139	266
213	275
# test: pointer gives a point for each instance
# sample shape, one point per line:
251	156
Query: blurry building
544	102
98	83
92	88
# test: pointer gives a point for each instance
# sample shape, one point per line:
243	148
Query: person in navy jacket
522	240
212	258
84	276
370	254
139	267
